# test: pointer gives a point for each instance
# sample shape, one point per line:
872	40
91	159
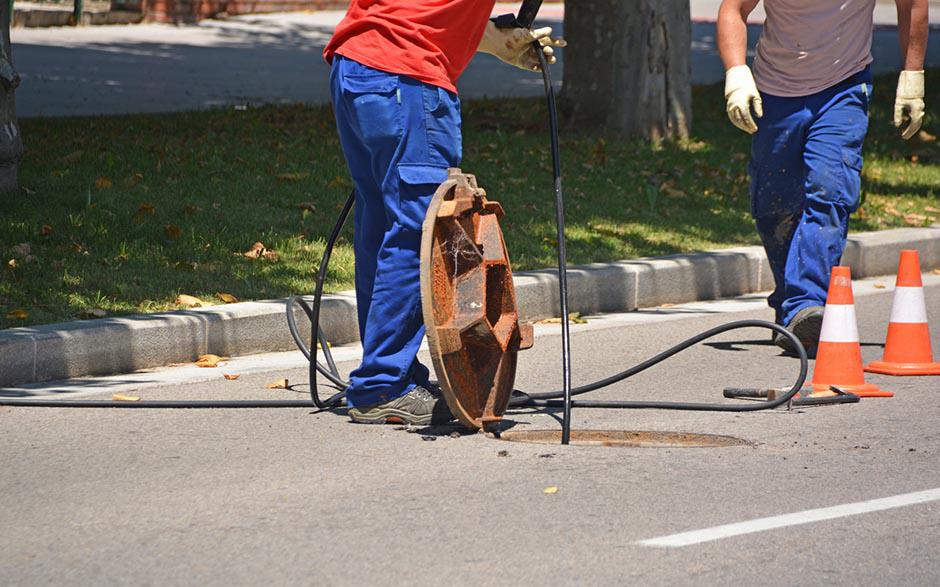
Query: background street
258	59
277	496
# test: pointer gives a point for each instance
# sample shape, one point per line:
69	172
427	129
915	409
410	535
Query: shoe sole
391	416
808	330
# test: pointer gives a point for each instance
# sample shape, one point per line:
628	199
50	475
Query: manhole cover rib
626	438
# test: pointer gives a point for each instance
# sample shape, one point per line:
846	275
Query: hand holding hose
515	46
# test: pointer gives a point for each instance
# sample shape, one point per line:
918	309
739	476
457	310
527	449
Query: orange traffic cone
839	355
907	349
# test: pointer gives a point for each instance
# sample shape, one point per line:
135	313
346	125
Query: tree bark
11	143
627	68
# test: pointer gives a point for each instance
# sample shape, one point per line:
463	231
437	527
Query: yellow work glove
909	103
514	45
741	95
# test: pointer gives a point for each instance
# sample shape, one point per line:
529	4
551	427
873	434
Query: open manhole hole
625	438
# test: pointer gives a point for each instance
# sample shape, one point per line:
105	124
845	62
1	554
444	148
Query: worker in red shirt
394	68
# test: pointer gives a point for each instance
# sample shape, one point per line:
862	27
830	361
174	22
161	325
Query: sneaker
418	407
806	326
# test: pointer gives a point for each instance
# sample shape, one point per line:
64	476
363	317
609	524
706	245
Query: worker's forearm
913	30
732	34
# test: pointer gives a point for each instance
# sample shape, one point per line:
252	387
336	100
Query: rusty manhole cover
626	438
469	303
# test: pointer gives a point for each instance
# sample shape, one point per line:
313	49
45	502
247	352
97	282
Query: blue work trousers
806	164
399	137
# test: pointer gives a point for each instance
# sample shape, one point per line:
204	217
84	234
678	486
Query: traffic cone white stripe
839	324
909	306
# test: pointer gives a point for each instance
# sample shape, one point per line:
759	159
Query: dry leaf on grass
120	397
189	301
308	206
279	384
46	230
255	251
227	297
103	182
550	490
293	176
22	249
231	376
11	264
207	361
18	314
172	231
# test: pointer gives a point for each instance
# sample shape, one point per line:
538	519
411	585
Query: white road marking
795	519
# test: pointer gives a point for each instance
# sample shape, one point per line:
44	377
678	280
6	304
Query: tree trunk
11	143
627	67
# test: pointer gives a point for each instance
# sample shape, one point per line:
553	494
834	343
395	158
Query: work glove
909	103
514	46
741	95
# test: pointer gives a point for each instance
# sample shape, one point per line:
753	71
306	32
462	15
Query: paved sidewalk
270	59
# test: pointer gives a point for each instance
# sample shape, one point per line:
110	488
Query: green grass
124	213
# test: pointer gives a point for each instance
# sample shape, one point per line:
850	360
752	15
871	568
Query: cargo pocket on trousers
852	167
418	182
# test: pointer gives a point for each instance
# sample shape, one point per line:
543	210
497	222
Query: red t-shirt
429	40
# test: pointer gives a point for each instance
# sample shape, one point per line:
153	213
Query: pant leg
369	220
777	177
411	132
833	159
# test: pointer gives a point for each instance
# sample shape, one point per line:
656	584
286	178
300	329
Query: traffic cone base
886	368
862	390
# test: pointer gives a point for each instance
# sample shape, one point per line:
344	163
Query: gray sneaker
806	326
418	407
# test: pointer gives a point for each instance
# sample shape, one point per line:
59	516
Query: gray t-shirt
810	45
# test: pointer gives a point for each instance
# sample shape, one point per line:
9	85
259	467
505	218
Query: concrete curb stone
131	343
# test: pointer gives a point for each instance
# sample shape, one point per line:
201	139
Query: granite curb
131	343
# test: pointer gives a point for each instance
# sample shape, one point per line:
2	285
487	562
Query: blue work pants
806	164
399	137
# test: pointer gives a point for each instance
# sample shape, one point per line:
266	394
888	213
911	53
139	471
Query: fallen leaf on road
18	314
230	376
208	361
279	384
120	397
90	313
103	182
574	318
227	298
550	490
879	285
189	301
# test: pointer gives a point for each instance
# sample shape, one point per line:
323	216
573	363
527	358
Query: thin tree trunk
11	143
627	67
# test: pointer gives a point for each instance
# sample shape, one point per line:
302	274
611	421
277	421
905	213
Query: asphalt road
288	496
259	59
